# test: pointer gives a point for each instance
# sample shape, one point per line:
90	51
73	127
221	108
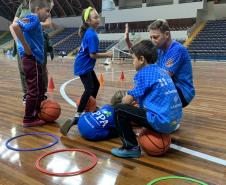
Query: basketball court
197	151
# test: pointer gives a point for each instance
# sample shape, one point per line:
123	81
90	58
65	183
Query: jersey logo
25	20
169	63
173	123
107	113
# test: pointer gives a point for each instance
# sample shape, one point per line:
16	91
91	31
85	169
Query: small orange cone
122	77
51	85
101	80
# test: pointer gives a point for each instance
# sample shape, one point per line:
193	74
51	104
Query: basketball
49	110
91	105
153	143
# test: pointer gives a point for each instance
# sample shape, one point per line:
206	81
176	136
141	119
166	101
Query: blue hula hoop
56	139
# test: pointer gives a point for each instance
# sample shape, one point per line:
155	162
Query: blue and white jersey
176	60
156	93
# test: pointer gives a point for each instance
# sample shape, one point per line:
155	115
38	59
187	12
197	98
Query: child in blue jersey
86	59
27	32
99	125
96	126
160	108
173	57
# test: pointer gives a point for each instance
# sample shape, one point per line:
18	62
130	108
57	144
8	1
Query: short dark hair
25	4
146	49
159	24
40	3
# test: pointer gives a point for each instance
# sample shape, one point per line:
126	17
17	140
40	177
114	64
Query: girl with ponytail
85	61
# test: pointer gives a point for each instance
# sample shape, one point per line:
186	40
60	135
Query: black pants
124	115
91	85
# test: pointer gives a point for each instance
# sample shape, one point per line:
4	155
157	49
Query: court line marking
176	147
64	95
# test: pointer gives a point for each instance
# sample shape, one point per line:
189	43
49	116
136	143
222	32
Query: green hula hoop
176	177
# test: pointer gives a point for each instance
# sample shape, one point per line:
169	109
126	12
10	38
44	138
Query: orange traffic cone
122	77
51	85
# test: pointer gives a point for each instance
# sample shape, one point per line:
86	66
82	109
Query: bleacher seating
104	45
210	43
188	1
64	34
68	40
141	26
68	44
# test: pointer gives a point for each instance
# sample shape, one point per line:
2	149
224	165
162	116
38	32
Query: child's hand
109	54
126	35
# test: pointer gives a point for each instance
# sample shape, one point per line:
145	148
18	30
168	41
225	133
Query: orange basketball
154	143
49	110
91	105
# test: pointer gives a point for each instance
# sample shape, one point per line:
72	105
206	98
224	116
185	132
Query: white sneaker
107	61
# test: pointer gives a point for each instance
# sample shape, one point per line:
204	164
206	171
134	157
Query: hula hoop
93	159
56	139
176	177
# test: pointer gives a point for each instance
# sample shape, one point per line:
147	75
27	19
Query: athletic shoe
127	153
64	129
37	122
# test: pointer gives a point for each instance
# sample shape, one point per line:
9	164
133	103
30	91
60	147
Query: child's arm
48	24
101	55
17	34
18	12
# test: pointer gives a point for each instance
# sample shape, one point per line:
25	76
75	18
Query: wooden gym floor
203	130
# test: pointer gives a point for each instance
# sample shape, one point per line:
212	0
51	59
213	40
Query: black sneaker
64	129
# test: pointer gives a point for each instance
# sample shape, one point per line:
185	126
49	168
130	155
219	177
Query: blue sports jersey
32	30
176	59
90	44
96	126
156	93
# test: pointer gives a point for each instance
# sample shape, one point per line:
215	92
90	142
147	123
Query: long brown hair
84	27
